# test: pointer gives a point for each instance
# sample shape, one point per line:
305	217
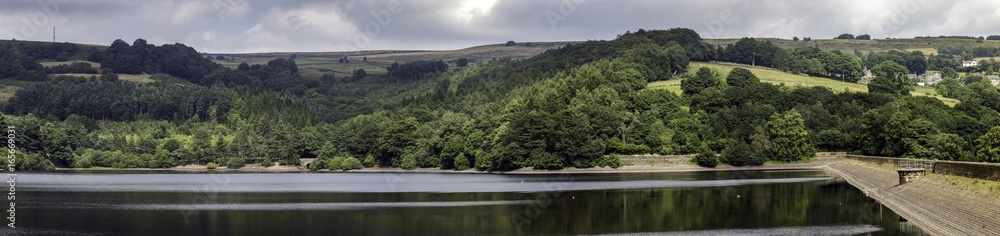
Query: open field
925	45
315	64
9	86
56	63
673	85
780	77
987	58
793	80
139	79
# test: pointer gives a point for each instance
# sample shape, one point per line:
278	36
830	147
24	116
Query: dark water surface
693	203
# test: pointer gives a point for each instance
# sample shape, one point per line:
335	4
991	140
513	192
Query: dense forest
576	106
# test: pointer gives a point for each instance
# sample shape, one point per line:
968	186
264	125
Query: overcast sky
310	25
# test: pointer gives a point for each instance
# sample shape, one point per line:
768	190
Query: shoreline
816	164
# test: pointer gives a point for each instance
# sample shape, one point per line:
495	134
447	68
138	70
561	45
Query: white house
968	63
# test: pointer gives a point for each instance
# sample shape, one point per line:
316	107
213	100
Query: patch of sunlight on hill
792	80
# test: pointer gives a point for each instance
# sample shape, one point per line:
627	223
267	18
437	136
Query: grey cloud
313	25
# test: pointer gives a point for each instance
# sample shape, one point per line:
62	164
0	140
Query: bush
350	163
613	161
369	161
147	160
109	77
164	160
32	161
267	162
619	147
84	160
739	154
318	164
542	160
409	162
461	162
236	163
707	159
334	163
484	160
212	166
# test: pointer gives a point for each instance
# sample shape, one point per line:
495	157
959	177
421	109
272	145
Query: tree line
580	105
177	60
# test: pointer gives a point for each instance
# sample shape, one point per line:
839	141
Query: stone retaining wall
987	171
655	160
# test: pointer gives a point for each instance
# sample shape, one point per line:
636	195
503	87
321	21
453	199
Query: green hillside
540	106
792	80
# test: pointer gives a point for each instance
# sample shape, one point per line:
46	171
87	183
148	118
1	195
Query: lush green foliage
416	70
739	153
578	106
140	57
990	145
808	60
707	159
704	78
789	137
236	163
740	77
461	162
75	67
32	161
890	78
350	163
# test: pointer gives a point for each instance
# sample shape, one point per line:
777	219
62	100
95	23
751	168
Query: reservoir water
790	202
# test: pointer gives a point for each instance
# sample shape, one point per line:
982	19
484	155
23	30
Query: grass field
56	63
673	85
313	65
139	79
788	79
9	86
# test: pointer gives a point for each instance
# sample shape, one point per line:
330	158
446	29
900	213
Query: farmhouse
931	78
968	63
